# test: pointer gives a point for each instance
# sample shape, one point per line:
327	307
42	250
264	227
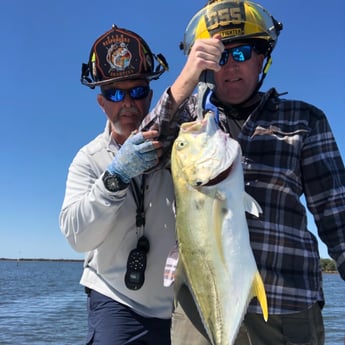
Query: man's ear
100	101
261	59
151	95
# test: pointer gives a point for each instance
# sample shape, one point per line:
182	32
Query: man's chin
128	130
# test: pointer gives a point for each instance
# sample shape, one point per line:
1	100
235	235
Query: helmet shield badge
234	20
120	54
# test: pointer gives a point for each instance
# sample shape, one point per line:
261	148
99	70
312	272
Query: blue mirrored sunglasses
118	95
239	54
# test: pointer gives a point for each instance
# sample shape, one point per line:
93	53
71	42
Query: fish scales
215	258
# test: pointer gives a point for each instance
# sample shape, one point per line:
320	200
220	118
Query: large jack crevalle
214	250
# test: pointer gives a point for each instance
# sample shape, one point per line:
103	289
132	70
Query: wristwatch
113	182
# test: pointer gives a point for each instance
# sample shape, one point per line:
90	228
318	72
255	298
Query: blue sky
47	115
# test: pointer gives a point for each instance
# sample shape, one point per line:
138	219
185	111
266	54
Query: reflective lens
239	54
118	95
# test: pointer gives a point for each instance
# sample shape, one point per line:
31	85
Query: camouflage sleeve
167	121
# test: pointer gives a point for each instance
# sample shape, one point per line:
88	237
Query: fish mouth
219	178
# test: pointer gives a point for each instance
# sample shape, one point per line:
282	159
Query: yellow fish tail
259	292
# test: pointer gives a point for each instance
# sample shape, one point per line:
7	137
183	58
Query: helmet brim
92	84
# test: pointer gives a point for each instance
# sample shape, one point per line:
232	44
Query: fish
216	261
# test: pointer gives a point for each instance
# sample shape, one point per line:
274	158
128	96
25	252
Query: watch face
113	182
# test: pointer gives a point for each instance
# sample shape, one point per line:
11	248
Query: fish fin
251	205
218	218
220	195
260	293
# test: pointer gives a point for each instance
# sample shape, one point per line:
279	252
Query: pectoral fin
258	290
218	214
251	205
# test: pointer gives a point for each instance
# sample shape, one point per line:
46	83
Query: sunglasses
118	95
239	54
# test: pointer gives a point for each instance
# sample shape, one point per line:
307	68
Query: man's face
236	80
122	107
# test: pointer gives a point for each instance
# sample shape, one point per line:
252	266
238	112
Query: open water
41	302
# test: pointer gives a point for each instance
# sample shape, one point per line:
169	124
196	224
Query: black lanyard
138	194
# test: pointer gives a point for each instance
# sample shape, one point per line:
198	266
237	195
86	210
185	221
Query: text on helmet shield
219	16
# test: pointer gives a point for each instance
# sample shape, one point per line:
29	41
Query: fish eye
180	144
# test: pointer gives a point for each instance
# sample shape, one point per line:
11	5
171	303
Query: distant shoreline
41	259
81	260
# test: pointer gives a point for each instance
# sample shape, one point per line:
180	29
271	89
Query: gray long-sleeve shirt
103	225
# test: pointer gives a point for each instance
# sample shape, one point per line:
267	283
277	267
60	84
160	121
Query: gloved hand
136	155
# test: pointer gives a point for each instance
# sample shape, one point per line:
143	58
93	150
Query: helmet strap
265	70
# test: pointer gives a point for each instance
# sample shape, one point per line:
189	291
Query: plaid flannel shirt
288	151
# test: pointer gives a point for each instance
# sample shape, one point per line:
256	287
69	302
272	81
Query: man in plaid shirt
288	151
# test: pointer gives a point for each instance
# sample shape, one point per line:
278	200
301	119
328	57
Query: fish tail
260	293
